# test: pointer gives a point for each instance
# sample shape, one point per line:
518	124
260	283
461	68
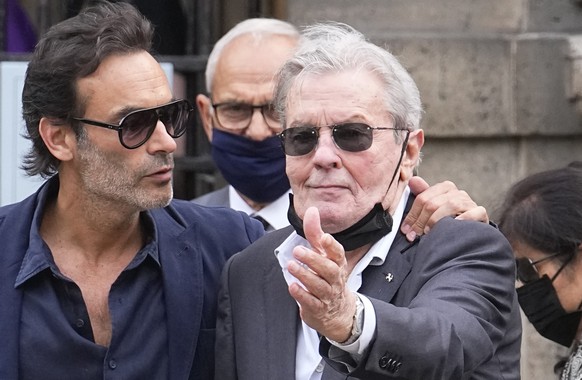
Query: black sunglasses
351	137
136	127
526	271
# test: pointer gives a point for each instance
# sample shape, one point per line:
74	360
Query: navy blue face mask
254	168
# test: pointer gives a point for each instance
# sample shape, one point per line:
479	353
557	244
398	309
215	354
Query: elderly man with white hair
342	293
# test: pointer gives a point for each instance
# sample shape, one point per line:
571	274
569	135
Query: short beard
105	177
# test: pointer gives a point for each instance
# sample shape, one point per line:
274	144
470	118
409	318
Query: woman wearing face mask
542	218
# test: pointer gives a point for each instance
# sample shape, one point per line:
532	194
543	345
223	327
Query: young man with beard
102	274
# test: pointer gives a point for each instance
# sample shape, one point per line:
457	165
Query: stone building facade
501	84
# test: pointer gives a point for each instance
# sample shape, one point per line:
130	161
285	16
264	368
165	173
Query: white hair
258	27
336	47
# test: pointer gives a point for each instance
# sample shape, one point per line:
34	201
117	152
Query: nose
258	129
326	153
160	140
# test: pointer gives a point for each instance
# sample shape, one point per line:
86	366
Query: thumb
312	229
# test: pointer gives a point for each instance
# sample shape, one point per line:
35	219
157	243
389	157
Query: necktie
265	224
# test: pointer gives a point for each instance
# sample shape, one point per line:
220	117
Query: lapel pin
389	277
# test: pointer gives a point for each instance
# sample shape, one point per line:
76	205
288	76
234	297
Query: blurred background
501	83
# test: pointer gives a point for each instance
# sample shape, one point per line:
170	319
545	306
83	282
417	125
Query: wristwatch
358	322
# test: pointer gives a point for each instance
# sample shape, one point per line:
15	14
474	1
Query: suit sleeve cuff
360	345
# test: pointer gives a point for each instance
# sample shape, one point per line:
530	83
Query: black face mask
540	303
371	228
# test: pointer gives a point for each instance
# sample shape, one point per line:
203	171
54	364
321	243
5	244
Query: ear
411	157
58	137
205	111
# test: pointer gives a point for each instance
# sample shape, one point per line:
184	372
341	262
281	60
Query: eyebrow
299	123
235	101
121	113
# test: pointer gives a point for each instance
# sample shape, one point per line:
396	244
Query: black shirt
56	338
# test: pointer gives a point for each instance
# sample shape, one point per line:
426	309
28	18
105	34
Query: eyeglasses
136	127
526	270
237	116
351	137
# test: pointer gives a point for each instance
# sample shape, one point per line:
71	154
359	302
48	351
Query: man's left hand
435	202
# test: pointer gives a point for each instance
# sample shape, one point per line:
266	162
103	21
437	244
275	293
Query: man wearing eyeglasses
342	293
242	127
102	274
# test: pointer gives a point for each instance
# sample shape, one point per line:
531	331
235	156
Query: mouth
163	174
325	187
328	191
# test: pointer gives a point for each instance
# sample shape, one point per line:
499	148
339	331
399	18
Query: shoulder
453	242
220	222
19	211
191	211
262	250
246	273
215	198
464	232
11	209
270	240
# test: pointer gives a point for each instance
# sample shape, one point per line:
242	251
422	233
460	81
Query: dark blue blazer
194	243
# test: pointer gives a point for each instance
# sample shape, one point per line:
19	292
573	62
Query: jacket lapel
382	282
182	272
15	228
10	298
281	321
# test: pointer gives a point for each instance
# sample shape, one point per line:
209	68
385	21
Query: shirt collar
376	255
275	213
38	256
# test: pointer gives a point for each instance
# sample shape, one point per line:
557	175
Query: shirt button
112	364
80	323
319	367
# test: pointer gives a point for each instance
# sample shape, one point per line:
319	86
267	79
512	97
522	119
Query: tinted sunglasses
351	137
136	127
526	271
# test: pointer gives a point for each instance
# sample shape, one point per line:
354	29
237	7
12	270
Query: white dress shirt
309	364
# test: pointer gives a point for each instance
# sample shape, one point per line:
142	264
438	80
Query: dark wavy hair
544	211
70	50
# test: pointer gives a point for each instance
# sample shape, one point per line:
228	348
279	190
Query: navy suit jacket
445	308
194	243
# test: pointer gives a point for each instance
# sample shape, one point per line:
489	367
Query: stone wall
501	83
